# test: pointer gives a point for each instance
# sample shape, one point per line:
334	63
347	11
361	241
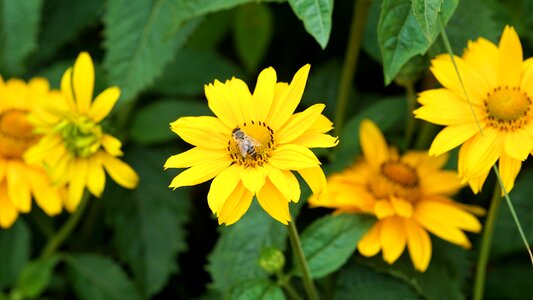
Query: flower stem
486	243
304	268
355	39
411	103
57	239
284	282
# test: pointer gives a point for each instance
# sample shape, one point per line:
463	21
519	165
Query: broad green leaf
191	70
400	36
505	231
426	14
36	275
19	28
370	37
98	277
509	279
236	254
252	31
213	31
139	41
63	21
356	281
255	290
331	240
14	252
316	16
511	12
150	124
148	228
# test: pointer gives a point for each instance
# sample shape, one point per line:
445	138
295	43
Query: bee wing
254	141
242	149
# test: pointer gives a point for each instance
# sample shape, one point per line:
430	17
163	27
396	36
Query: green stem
426	133
411	103
286	285
486	243
355	39
304	268
57	240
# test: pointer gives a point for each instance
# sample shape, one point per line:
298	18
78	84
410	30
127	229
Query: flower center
15	133
395	179
82	137
507	108
251	144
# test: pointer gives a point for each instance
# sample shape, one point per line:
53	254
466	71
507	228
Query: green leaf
331	240
252	31
14	252
505	231
255	290
316	16
139	42
63	21
236	254
150	124
19	28
426	14
192	69
148	227
400	36
509	279
36	275
98	277
364	283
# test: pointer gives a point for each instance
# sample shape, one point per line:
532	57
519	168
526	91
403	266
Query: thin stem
304	268
425	134
411	103
286	284
486	243
355	39
57	240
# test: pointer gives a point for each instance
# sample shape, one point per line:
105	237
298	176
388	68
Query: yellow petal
104	103
194	157
284	105
200	173
77	184
476	183
121	172
483	152
279	180
370	245
392	238
264	94
482	55
222	186
419	245
235	206
96	177
3	164
445	230
224	102
273	202
46	196
83	81
451	137
449	110
8	212
298	124
293	157
510	58
316	140
518	144
294	186
253	179
402	207
18	187
373	144
315	178
66	89
112	145
509	168
321	125
383	209
445	212
441	182
205	132
526	83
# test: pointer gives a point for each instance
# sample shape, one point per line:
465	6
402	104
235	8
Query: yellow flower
20	181
74	149
252	145
409	195
499	85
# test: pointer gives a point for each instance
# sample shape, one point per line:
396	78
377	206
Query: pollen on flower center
395	179
15	133
251	144
507	108
82	137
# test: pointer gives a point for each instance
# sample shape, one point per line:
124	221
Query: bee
246	143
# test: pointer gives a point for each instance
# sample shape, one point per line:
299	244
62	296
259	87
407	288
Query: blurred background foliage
155	243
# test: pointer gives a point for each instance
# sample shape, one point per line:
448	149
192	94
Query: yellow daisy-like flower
252	145
20	181
409	195
74	149
499	85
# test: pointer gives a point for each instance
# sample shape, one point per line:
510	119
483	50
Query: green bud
271	260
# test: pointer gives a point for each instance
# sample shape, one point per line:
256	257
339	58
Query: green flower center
82	137
507	108
395	179
251	144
